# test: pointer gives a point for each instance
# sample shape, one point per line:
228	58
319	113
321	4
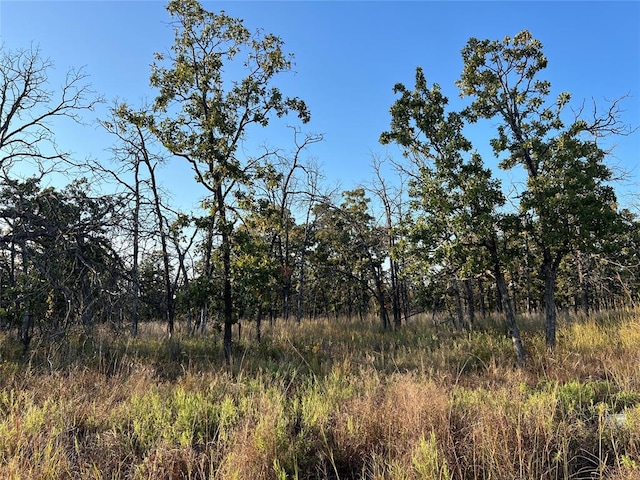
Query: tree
567	203
203	116
132	131
305	232
610	273
391	198
350	250
62	266
289	188
455	199
282	187
257	271
28	108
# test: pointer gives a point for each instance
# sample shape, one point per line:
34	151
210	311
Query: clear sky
348	56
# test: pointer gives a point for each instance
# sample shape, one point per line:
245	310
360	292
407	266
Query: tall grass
329	400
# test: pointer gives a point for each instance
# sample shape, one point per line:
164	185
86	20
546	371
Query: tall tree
391	198
350	247
282	187
203	115
28	111
131	128
455	198
567	203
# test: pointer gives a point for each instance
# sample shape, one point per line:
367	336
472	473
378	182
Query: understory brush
326	399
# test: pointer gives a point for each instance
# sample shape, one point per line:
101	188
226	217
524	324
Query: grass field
326	400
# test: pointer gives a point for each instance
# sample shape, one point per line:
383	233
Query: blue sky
348	56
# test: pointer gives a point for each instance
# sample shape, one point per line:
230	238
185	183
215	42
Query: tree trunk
168	286
380	296
384	315
182	268
259	324
458	298
528	271
226	266
363	308
499	299
405	300
483	308
286	293
157	205
25	329
393	267
549	271
395	293
204	319
301	292
25	337
302	269
510	315
189	322
512	326
136	240
584	286
471	311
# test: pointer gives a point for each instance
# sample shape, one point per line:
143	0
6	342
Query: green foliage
180	418
455	230
60	257
567	205
579	400
428	462
335	398
202	114
348	256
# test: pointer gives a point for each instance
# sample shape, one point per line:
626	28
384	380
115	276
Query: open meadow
328	400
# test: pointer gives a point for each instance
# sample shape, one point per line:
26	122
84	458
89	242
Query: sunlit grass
326	399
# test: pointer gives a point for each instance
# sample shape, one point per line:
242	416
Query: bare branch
28	108
607	123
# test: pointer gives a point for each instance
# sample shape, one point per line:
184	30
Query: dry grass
326	400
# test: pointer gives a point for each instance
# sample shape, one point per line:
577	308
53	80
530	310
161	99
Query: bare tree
392	203
29	108
135	140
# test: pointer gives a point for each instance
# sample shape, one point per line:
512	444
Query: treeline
434	231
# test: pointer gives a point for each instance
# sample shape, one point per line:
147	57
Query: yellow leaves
563	99
523	37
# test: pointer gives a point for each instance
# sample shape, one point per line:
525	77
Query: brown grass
326	400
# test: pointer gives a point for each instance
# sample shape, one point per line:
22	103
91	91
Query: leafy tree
202	115
256	271
28	111
153	300
62	266
455	199
567	203
305	233
350	252
391	198
283	187
287	190
336	288
611	273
